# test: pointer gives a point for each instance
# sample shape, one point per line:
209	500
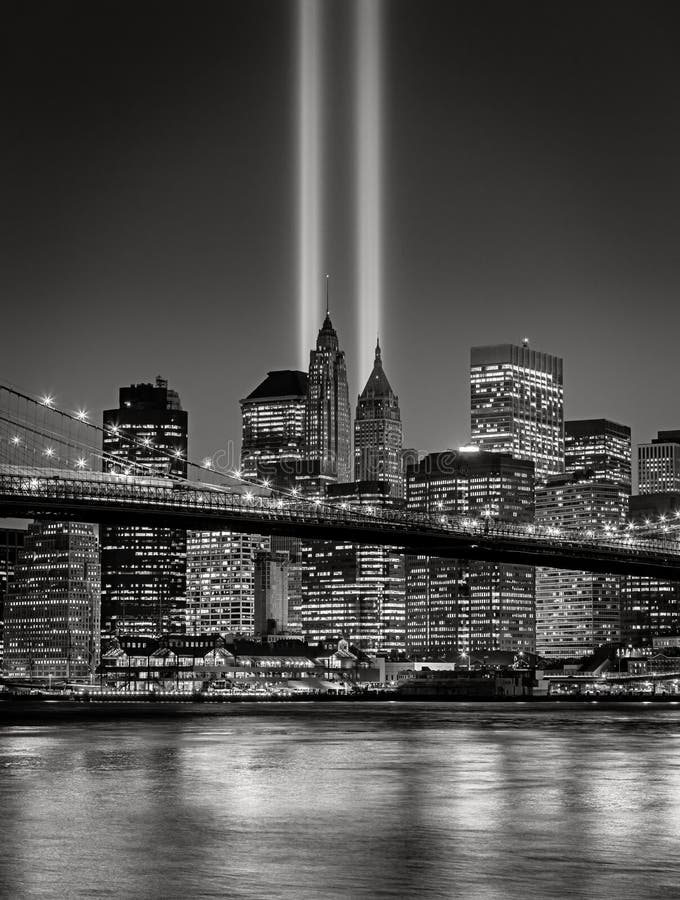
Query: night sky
530	180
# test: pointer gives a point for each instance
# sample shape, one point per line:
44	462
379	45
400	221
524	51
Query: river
326	801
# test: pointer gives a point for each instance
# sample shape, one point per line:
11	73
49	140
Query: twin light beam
367	184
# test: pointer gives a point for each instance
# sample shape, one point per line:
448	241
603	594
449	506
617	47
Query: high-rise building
599	447
378	437
659	464
354	591
144	569
11	542
517	404
271	592
220	593
53	602
650	606
273	417
327	414
457	606
577	612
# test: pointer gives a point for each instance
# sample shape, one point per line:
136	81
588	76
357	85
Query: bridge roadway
113	500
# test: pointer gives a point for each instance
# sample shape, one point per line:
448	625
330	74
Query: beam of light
309	223
369	249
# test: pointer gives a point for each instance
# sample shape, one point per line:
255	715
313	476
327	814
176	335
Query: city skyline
536	213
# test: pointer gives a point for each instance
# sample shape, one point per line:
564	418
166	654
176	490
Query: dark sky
530	180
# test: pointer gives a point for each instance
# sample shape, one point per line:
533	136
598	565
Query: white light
16	440
249	496
178	454
295	492
309	182
81	463
48	401
368	185
49	451
82	415
207	463
34	483
146	441
237	473
469	448
266	482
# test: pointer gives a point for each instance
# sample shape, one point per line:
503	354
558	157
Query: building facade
273	433
458	606
220	592
144	569
577	612
517	404
378	436
271	592
659	464
599	447
53	603
355	591
327	413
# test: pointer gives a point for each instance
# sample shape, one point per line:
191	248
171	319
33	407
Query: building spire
327	307
378	354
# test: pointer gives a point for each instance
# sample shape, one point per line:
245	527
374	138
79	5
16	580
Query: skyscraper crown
328	336
377	384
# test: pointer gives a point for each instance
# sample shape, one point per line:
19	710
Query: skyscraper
143	569
659	464
53	602
271	592
378	438
327	415
599	447
517	404
455	606
221	582
576	612
355	591
273	434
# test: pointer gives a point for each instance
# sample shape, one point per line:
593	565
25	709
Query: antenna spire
327	280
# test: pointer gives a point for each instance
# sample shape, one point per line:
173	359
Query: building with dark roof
272	428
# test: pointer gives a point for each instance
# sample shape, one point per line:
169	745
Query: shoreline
24	710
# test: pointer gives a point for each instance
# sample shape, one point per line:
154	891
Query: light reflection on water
335	801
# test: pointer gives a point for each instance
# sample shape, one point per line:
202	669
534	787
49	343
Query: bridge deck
108	500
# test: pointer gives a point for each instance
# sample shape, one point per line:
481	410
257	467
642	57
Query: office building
273	417
271	592
220	592
144	569
355	591
327	414
378	437
599	447
659	464
53	602
577	612
457	606
517	404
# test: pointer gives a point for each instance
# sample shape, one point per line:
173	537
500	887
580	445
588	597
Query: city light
49	451
48	401
81	462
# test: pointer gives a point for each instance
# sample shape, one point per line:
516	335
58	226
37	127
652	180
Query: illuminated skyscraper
455	606
599	447
576	612
143	569
272	418
221	582
327	418
659	464
271	592
53	602
355	591
378	435
517	404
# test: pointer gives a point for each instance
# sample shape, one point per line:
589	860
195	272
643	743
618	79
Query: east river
327	801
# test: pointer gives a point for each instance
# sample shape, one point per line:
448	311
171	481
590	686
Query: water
346	801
